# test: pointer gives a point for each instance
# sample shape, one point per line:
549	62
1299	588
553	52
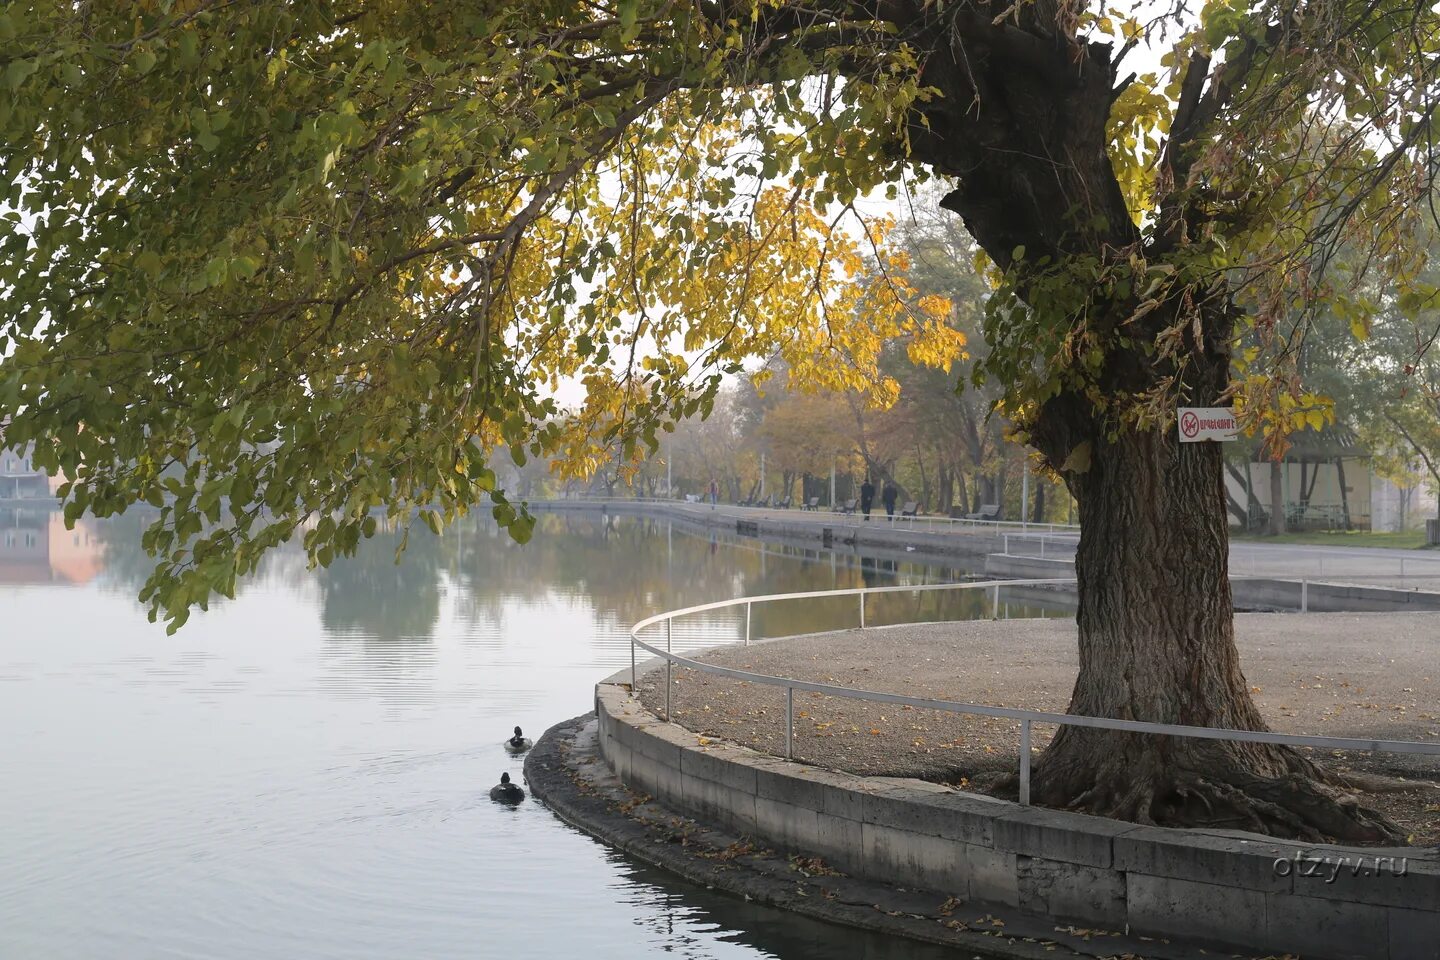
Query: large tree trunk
1344	494
1022	124
1277	498
1157	644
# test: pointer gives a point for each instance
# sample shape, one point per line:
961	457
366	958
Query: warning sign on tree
1206	423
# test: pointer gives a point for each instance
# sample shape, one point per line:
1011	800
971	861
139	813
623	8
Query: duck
518	743
505	791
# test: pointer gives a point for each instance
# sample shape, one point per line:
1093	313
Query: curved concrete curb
565	771
1237	891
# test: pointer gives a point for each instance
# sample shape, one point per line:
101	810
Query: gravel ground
1343	675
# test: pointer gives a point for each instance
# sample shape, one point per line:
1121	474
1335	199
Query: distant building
20	479
1393	507
1325	483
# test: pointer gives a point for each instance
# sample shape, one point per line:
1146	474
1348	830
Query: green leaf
522	528
149	261
19	71
628	11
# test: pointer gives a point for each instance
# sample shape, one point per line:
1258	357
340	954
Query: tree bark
1157	644
1344	496
1277	498
924	476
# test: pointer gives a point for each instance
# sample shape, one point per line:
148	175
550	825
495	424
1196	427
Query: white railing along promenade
1057	541
1026	718
825	515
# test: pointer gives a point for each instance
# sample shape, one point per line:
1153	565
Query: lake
303	772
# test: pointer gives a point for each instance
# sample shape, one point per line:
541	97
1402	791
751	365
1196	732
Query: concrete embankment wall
1242	892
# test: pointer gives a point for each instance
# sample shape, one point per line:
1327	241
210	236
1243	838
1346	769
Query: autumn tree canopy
268	262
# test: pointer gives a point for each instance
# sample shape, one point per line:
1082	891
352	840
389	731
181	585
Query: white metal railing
1026	717
826	515
1054	541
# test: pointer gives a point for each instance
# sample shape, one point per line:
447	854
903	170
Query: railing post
1304	596
1007	543
995	601
1025	763
632	664
789	723
668	665
862	611
747	624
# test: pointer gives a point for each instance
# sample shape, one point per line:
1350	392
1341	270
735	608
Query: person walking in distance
891	494
867	497
714	493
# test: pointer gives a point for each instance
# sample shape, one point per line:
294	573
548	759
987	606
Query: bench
783	504
848	506
812	504
987	511
909	510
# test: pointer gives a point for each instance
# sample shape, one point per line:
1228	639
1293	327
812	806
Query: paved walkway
1345	675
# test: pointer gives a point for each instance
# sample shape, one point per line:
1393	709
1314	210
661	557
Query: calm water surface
303	772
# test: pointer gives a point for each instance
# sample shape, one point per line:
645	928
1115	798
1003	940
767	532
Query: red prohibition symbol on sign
1190	425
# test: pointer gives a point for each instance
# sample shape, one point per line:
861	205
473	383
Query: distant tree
805	433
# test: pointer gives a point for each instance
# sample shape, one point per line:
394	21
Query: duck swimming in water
518	743
505	791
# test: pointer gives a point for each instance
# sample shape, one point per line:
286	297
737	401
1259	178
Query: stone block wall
1231	890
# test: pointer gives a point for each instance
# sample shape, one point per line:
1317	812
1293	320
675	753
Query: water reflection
623	569
36	548
303	771
371	595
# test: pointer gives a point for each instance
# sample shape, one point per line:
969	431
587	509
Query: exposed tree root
1377	783
1259	788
